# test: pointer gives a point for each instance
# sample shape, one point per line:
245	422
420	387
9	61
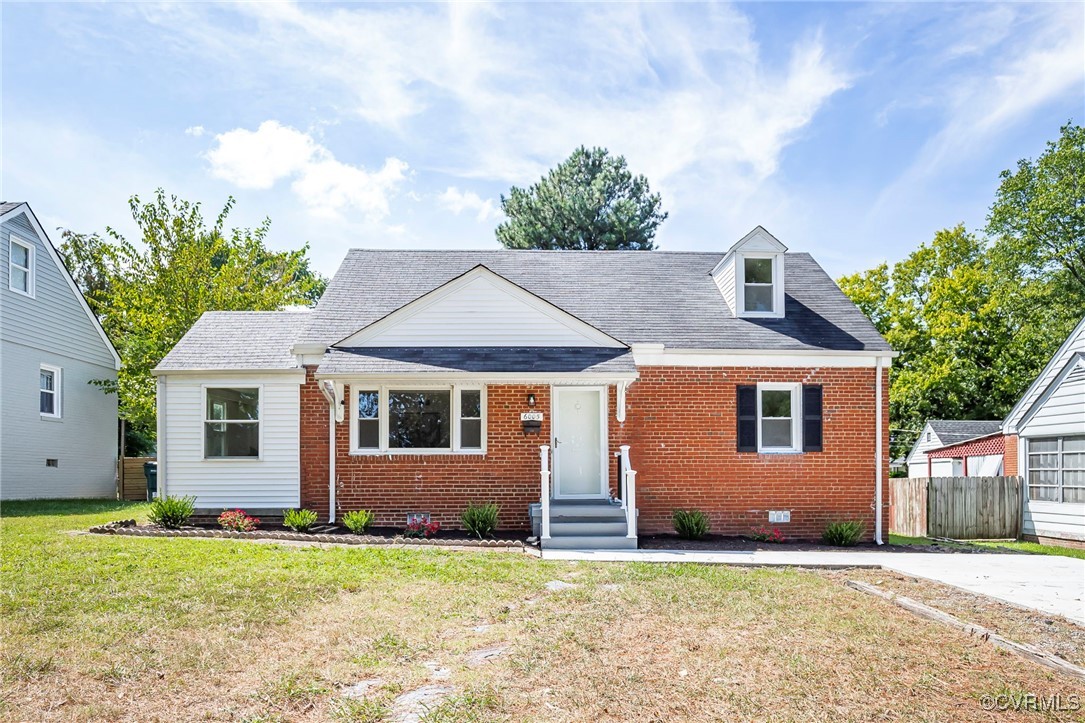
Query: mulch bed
720	543
320	533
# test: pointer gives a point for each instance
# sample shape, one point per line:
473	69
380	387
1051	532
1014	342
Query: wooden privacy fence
961	508
130	477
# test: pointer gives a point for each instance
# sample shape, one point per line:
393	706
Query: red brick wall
441	484
680	423
1010	466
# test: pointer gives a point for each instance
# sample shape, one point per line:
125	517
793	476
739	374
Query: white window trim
777	286
58	392
382	416
259	422
796	416
30	257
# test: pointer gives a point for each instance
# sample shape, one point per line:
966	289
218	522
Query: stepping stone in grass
557	585
486	655
412	705
359	691
436	671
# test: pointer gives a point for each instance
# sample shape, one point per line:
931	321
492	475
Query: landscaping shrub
171	512
299	520
842	534
358	521
690	524
421	528
237	520
480	520
766	534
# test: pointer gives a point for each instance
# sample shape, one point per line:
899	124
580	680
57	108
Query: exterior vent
52	463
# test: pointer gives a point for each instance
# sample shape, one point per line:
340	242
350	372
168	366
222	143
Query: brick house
589	394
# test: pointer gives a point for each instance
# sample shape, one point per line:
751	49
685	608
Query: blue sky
852	131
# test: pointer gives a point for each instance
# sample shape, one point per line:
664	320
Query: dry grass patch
145	630
1047	632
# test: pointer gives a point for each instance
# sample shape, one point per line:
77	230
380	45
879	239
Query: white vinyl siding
482	311
725	281
270	481
1064	411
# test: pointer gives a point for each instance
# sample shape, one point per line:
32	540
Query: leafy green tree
1038	218
148	294
591	201
939	308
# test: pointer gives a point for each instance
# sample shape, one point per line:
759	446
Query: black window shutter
747	418
811	418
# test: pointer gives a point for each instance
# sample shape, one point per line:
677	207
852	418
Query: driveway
1047	583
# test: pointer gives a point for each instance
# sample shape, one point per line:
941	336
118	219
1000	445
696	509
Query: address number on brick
531	416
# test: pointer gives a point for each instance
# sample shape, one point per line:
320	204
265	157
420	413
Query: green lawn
1031	547
99	627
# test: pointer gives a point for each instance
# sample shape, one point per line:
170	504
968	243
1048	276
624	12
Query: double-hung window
429	419
1056	469
21	267
49	391
775	417
231	422
778	417
758	291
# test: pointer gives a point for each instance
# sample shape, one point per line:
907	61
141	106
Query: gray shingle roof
954	431
6	206
399	360
635	296
238	340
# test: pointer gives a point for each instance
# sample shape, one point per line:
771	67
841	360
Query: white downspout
160	434
328	390
878	455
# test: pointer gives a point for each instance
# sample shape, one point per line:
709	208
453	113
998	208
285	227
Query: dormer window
757	284
751	276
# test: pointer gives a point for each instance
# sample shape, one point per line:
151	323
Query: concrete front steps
584	525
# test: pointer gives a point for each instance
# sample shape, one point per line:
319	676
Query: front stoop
583	525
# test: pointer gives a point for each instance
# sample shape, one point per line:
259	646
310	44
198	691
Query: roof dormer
751	276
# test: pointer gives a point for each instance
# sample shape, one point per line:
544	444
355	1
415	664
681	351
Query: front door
579	442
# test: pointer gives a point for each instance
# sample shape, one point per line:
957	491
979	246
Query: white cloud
259	159
457	201
502	92
195	131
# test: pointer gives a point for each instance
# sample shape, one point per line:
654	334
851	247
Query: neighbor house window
757	285
778	417
21	267
429	419
49	391
232	422
1056	469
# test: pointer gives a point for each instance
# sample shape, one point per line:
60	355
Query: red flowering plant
238	521
766	534
421	528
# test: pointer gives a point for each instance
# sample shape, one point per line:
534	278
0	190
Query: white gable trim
24	208
1014	420
1071	365
759	240
591	335
922	434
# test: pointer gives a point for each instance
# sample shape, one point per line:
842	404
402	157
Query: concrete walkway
1046	583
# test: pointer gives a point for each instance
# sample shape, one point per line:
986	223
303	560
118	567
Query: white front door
579	420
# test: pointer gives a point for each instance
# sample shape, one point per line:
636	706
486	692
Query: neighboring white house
58	432
1049	423
939	433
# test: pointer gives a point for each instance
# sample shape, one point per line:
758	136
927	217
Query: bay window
428	419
